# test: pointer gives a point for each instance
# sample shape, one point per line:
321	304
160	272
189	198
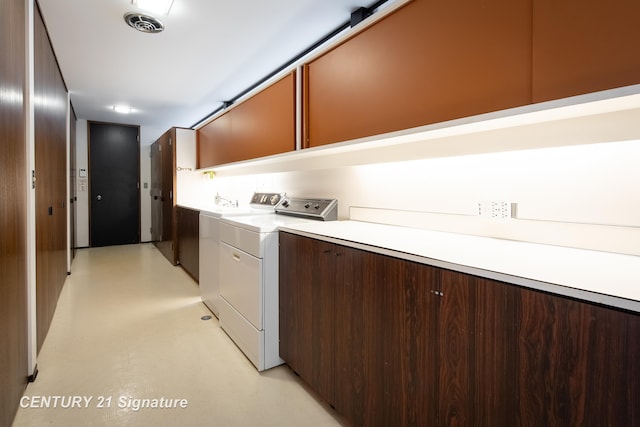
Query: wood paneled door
163	183
51	173
13	210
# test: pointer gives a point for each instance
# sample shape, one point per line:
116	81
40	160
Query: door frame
89	122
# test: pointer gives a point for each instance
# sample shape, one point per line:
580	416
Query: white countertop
601	277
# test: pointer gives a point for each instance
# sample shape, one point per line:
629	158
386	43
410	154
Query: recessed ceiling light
123	109
156	6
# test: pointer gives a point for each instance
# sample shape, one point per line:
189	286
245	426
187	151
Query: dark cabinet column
163	186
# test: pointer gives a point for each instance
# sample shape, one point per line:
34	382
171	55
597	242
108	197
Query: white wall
82	185
584	196
569	166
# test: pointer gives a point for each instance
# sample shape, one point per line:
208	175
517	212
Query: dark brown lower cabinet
476	343
306	311
577	363
385	322
187	236
393	342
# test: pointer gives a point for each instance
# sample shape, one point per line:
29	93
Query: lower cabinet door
386	366
578	363
476	343
307	328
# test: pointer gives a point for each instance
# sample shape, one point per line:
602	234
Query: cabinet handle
236	257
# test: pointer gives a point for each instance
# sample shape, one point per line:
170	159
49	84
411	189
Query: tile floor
128	327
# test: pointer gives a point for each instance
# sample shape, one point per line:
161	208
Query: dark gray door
114	167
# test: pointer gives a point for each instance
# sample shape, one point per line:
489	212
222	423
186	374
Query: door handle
99	197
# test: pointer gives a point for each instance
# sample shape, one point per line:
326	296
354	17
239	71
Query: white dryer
249	275
209	241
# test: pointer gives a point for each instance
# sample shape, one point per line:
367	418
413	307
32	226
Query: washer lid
262	223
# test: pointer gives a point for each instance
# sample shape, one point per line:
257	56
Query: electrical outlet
496	209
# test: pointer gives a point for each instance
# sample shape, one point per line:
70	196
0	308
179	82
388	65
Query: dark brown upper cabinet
427	62
583	46
261	126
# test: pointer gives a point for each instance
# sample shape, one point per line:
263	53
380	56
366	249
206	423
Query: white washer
249	280
209	242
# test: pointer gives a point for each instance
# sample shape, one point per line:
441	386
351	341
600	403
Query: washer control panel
266	199
320	209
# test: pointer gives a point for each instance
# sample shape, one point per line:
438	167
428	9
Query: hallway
128	327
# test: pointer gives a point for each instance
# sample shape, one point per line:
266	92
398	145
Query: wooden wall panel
51	173
262	125
582	46
13	210
428	62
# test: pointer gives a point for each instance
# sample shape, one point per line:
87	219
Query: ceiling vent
144	23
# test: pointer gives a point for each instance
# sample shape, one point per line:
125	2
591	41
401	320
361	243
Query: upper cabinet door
261	126
213	142
265	124
582	46
428	62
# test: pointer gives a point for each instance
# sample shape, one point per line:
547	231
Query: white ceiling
209	52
